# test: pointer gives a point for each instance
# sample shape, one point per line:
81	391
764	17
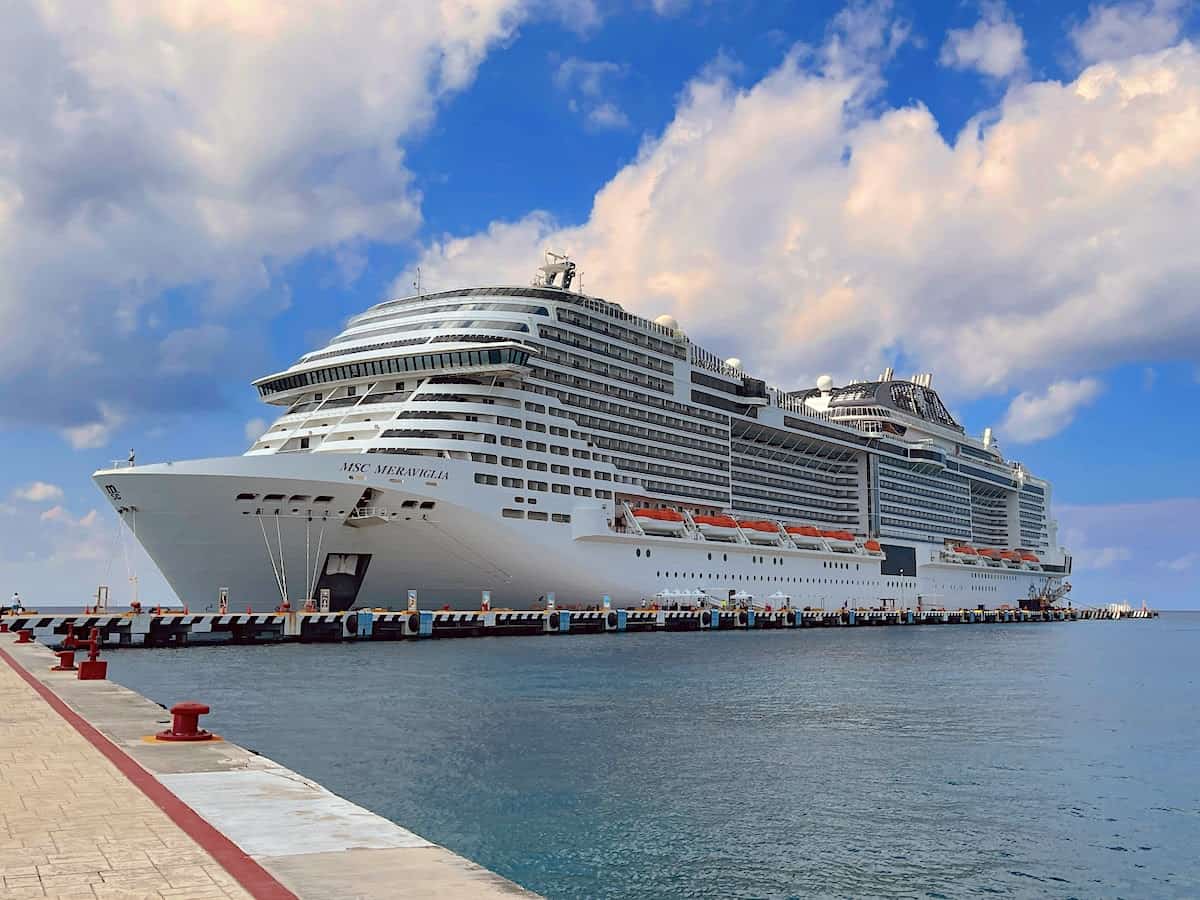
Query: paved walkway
90	809
73	826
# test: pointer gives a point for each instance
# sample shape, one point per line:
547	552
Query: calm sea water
1028	760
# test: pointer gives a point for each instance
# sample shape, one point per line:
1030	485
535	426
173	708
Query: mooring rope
271	556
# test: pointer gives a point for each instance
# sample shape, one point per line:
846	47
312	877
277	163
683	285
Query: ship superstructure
529	440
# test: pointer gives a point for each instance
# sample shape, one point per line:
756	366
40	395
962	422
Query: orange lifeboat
838	539
964	550
721	528
872	547
989	554
804	535
660	521
761	531
1012	557
1030	558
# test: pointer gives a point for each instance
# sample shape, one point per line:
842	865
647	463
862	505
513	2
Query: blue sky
193	194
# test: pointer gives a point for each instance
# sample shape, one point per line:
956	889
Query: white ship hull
202	537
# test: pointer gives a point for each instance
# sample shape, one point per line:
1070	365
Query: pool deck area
91	806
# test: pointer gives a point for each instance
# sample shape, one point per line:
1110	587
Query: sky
195	192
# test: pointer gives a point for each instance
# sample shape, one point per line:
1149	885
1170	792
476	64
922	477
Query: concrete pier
93	807
176	629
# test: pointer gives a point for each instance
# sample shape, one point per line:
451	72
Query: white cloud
1054	233
203	144
38	492
1035	417
98	433
669	7
1180	563
994	46
1100	557
62	516
607	116
1117	30
254	429
588	85
192	349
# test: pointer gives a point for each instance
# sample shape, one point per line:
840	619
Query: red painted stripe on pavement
256	880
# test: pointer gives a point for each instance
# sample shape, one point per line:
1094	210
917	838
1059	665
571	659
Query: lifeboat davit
839	540
805	536
660	521
720	528
872	546
761	532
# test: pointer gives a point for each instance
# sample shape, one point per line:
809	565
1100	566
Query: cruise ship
544	445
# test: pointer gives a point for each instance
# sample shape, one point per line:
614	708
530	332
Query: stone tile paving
72	826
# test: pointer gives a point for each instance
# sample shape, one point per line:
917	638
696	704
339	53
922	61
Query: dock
101	798
164	628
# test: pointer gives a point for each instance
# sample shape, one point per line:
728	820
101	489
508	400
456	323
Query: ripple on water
875	762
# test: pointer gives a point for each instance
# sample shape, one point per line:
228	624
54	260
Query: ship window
408	504
538	486
427	504
324	498
298	498
270	497
560	488
480	478
513	482
562	517
246	496
303	443
512	513
537	516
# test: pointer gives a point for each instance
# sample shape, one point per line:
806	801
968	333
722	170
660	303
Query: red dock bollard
66	662
93	668
24	635
185	724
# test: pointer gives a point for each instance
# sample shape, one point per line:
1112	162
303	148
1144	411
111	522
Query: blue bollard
426	626
621	617
366	623
750	618
564	622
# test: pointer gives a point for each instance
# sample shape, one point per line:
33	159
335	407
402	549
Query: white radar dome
667	322
734	363
825	384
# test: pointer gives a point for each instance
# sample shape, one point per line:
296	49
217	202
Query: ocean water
1057	760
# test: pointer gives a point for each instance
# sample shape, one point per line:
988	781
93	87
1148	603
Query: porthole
638	552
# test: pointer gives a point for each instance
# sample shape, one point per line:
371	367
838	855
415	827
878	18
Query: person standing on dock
15	605
131	456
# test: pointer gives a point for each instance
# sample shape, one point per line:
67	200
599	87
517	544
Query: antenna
417	282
